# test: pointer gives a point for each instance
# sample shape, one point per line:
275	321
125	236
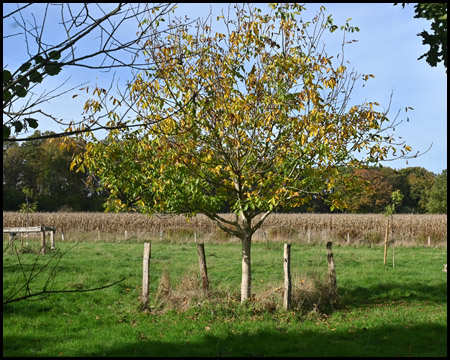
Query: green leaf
24	82
36	77
32	122
6	96
54	54
38	59
20	91
6	76
18	126
25	67
52	68
6	132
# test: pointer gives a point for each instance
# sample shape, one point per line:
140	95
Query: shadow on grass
417	340
393	291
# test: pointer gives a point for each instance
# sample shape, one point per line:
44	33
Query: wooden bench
13	231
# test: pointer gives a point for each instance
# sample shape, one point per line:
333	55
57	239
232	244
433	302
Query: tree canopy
437	39
437	202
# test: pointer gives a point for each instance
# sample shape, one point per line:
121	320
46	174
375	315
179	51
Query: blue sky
387	47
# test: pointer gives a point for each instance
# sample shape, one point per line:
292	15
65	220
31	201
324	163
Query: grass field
382	311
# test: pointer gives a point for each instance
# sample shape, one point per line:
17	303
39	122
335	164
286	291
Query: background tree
437	201
78	28
44	168
417	181
437	40
265	122
376	195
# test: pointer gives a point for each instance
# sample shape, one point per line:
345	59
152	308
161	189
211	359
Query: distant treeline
42	167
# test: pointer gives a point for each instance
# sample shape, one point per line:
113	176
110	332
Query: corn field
407	229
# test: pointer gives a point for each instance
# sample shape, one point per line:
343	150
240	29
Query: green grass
383	311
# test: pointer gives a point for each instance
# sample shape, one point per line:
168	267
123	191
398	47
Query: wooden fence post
52	239
42	240
287	276
203	269
331	273
145	274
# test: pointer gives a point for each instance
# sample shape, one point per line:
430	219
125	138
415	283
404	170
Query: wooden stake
52	240
386	241
42	240
331	273
203	269
145	274
287	276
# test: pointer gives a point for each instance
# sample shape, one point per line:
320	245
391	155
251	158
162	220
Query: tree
28	207
390	210
417	182
437	202
376	195
264	122
437	40
23	98
44	168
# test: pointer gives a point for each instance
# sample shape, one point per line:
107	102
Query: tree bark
246	284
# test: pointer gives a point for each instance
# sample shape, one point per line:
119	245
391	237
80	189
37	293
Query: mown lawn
383	311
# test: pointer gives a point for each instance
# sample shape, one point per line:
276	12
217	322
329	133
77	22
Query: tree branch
59	291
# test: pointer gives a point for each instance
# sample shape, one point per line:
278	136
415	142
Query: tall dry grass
407	229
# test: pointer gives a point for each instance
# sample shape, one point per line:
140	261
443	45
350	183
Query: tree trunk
246	284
